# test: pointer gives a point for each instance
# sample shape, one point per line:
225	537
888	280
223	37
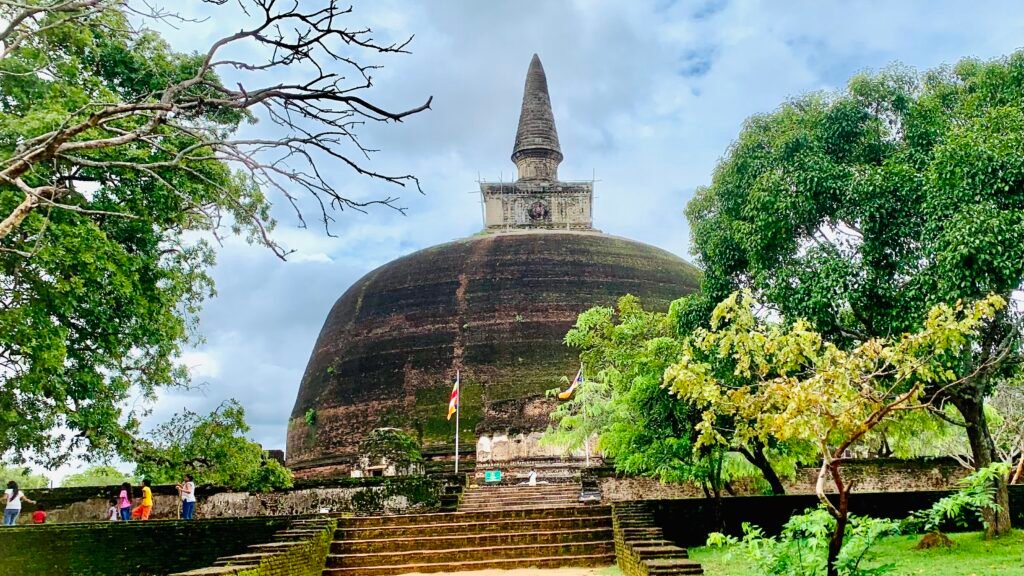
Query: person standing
124	501
187	489
14	498
113	512
145	507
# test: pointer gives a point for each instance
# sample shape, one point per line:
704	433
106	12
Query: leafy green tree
860	210
96	476
23	476
625	351
119	160
784	381
213	449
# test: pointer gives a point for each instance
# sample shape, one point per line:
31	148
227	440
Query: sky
647	96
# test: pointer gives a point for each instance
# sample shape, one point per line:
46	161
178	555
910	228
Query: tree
119	160
96	476
23	476
625	351
859	211
784	381
213	449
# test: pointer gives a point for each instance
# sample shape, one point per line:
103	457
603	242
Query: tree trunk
756	456
836	543
983	449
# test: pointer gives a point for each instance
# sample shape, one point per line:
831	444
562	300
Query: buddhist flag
453	403
565	395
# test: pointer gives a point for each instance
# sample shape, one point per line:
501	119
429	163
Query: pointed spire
536	152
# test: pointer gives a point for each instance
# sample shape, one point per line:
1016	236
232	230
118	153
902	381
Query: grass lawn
972	556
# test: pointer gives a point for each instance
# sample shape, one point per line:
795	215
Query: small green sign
492	476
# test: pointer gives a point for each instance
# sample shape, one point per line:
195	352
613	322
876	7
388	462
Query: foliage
858	211
623	403
624	352
802	547
270	475
785	382
96	476
390	444
976	493
972	555
23	476
310	417
213	449
118	162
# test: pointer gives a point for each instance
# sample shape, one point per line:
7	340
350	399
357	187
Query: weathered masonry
494	306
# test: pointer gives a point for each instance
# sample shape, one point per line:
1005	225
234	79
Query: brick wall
688	522
353	495
882	475
153	548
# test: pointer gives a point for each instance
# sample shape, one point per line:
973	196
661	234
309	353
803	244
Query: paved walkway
610	571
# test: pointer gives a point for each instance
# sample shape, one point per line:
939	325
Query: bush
802	548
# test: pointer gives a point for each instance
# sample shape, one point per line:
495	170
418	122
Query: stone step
460	517
583	560
473	495
471	540
488	494
648	552
483	527
521	497
514	552
673	566
525	506
523	502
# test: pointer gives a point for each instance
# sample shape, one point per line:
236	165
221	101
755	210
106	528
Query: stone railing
640	546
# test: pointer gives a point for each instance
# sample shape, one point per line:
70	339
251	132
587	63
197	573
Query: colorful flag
453	403
565	395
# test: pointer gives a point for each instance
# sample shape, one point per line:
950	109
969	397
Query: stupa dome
495	307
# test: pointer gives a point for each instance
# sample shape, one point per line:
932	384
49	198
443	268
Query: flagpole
458	410
586	441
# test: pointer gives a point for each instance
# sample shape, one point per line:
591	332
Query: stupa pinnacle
536	153
538	199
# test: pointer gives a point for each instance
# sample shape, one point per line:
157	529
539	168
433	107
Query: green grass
972	556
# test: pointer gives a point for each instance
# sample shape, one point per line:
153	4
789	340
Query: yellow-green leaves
784	382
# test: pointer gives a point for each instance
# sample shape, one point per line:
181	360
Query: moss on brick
154	548
497	307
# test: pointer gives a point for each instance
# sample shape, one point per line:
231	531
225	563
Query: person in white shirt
14	498
187	489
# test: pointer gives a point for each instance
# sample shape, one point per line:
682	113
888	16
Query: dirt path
535	572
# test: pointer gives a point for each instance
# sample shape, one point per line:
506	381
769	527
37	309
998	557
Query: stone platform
465	541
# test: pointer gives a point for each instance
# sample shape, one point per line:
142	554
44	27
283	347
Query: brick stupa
494	306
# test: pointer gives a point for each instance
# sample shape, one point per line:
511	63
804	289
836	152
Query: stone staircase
519	497
293	550
641	548
506	539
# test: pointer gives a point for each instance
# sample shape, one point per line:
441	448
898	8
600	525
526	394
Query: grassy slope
973	556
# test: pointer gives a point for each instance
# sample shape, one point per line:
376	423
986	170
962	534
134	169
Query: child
39	516
146	504
124	501
114	512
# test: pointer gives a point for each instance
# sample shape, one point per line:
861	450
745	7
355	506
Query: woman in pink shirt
124	501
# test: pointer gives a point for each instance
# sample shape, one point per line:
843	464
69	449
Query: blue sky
647	95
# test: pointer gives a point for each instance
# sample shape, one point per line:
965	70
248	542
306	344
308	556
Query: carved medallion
538	211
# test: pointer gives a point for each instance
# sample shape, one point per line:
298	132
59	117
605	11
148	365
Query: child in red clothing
39	516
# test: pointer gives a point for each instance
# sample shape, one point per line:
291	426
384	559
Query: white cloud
647	94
